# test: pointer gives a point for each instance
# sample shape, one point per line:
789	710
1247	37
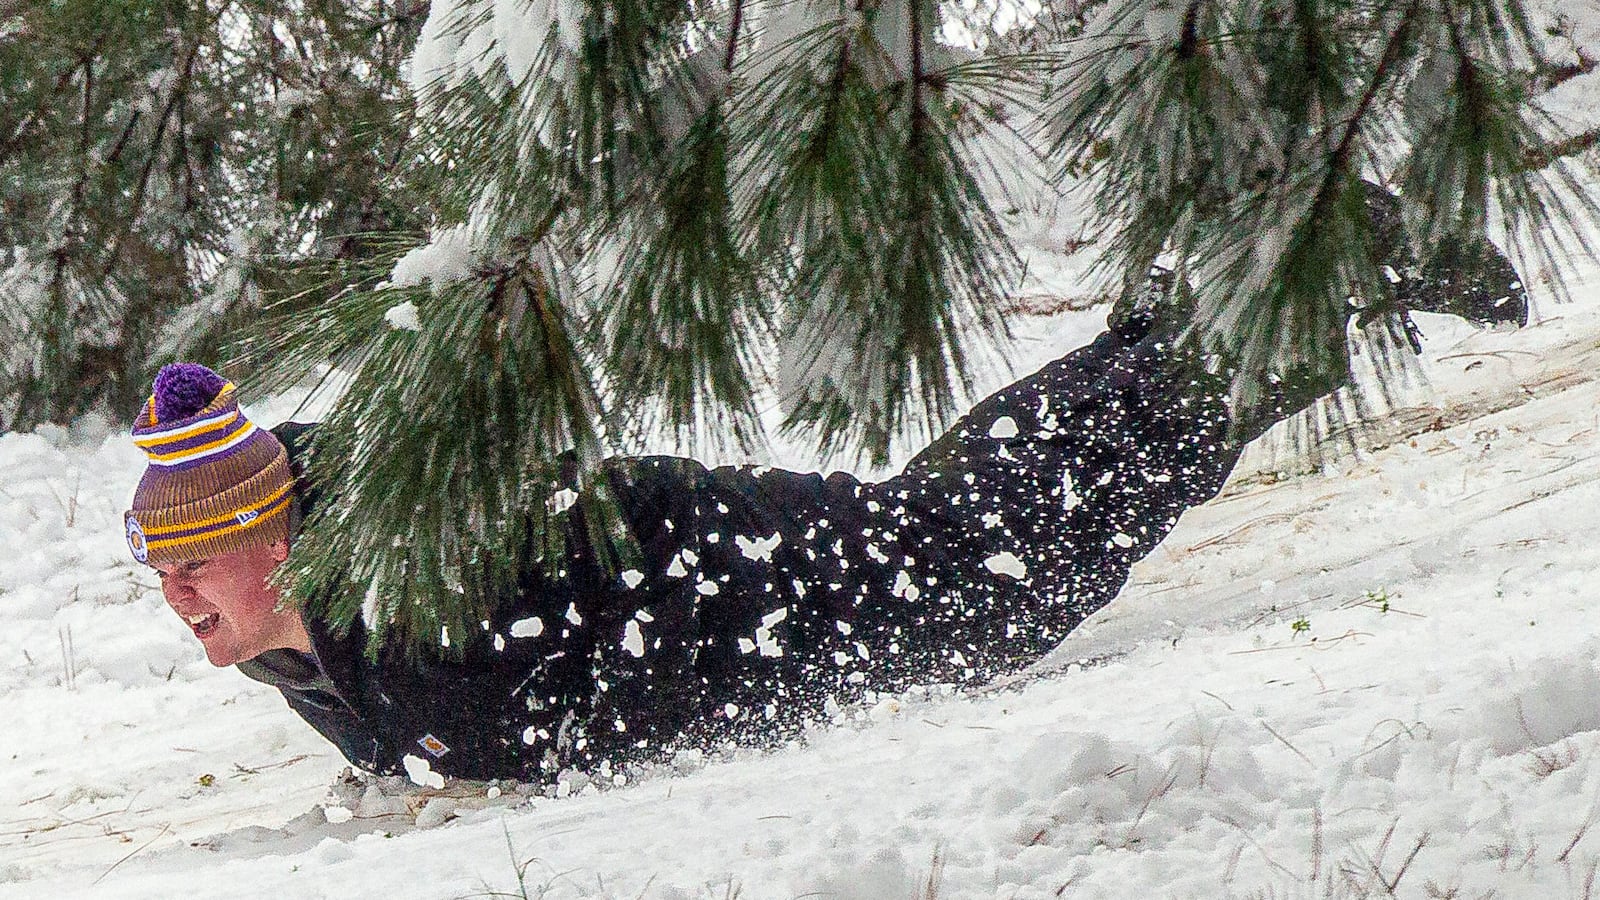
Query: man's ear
280	550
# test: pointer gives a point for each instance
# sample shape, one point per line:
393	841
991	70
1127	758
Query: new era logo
246	517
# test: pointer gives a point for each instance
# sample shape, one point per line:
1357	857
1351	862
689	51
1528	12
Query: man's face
228	604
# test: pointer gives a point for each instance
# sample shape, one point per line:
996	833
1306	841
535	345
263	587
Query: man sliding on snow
762	597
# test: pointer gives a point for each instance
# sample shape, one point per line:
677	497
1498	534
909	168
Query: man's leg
976	560
1026	516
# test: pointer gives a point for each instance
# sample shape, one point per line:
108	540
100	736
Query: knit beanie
215	482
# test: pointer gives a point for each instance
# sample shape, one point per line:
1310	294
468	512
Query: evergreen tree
651	215
165	164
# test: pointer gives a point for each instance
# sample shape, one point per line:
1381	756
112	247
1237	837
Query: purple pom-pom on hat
183	389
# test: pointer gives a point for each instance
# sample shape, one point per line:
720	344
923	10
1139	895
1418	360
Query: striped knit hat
215	482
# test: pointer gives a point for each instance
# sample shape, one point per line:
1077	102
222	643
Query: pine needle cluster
657	217
1240	142
167	165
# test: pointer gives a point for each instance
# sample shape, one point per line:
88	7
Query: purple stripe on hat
210	436
253	440
155	537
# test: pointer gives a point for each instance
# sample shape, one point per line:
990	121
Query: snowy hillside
1378	678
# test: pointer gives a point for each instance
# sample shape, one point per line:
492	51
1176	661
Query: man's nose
174	588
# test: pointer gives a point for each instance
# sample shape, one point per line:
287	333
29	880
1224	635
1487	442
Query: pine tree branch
1563	149
20	133
733	39
919	114
1189	36
122	139
141	186
1339	162
81	184
1555	75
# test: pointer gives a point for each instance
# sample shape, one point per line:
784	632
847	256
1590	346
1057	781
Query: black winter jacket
766	598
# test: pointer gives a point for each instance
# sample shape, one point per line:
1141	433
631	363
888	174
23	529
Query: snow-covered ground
1376	679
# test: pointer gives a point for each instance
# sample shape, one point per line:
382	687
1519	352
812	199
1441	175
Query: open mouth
203	625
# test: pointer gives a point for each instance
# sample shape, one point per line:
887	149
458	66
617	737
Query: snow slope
1379	675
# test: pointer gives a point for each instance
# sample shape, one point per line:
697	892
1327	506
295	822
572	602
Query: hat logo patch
246	517
136	541
433	745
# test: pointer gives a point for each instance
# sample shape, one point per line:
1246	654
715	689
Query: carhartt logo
246	517
433	745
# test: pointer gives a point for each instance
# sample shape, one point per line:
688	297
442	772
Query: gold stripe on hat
213	535
150	532
166	437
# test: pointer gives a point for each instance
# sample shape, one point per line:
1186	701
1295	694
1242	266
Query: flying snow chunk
1071	501
676	570
562	500
758	549
765	642
530	734
708	589
632	578
1003	427
420	773
633	639
904	588
337	815
1007	563
533	626
572	614
1122	540
403	317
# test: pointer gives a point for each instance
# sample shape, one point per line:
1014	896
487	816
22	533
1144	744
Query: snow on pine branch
472	38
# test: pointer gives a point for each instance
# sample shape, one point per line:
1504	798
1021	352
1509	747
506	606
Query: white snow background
1376	680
